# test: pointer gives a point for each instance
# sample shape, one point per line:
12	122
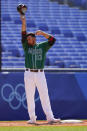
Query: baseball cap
30	34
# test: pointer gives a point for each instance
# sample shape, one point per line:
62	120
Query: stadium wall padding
67	91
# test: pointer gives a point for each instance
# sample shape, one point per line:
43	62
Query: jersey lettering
36	52
39	57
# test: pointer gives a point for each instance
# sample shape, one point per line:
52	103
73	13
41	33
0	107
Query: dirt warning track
39	123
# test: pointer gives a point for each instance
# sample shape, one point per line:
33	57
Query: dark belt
35	70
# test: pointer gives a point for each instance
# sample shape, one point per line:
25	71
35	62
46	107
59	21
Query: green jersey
35	55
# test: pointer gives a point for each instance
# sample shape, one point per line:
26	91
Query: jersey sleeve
48	44
24	40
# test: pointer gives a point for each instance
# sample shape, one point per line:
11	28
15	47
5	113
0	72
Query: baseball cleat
31	122
54	121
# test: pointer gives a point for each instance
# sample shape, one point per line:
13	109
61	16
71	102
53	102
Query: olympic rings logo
15	97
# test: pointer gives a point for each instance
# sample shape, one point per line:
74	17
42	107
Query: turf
43	128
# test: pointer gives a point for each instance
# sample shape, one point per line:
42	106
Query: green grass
44	128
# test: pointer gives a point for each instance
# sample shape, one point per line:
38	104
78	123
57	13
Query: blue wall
68	95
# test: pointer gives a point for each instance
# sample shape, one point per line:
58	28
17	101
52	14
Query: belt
35	70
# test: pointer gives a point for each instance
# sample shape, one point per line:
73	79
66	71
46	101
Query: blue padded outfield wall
68	95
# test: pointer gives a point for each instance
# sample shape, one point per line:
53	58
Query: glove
21	8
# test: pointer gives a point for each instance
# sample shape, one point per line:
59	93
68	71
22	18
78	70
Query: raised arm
39	32
23	19
50	38
23	29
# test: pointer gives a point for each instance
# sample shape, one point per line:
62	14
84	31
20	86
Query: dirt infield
39	123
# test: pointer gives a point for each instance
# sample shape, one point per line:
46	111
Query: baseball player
34	71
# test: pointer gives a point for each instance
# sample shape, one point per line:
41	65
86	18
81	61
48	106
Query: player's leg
44	97
30	92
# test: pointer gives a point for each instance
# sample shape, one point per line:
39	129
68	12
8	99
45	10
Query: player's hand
39	32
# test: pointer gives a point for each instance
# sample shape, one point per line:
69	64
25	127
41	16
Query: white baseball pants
33	80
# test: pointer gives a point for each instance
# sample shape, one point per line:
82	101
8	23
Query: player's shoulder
41	43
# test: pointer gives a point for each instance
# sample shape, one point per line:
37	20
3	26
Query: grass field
44	128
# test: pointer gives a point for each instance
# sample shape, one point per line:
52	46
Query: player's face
31	40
